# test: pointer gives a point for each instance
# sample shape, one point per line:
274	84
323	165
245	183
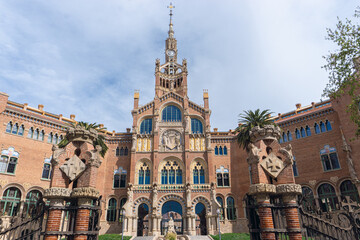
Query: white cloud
86	57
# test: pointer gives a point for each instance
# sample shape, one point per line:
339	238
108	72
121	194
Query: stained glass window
171	114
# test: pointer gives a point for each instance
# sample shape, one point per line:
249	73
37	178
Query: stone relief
85	192
55	192
312	183
253	154
272	165
288	188
171	140
57	152
95	159
262	188
73	167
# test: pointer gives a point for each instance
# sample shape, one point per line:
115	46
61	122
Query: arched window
36	134
8	160
120	178
329	158
171	114
31	132
122	203
126	151
196	126
317	129
289	136
171	173
111	210
308	131
295	169
347	188
221	202
198	174
327	197
15	129
297	133
216	150
117	153
302	130
222	176
50	138
225	150
31	200
284	137
46	174
146	126
55	139
230	209
281	140
309	198
21	130
41	136
122	151
9	127
144	174
322	127
220	150
10	202
328	125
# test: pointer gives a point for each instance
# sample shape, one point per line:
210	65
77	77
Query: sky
86	57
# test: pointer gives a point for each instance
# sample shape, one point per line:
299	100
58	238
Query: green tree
98	141
248	120
343	64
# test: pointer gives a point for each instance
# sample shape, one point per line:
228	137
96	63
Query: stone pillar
262	194
289	194
85	196
57	198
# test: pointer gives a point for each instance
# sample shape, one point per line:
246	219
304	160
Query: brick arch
170	197
17	185
202	200
38	188
138	202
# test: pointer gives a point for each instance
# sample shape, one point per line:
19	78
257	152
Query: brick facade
171	90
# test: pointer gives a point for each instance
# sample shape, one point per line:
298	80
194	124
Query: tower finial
171	30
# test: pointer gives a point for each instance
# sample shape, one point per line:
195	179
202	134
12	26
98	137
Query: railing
171	187
201	187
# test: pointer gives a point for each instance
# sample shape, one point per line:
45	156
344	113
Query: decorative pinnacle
171	30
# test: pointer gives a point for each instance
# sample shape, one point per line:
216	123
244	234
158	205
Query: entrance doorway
143	220
200	212
171	209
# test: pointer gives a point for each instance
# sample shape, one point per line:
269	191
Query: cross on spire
171	7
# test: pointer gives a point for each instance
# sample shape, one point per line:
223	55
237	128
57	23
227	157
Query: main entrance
143	220
171	209
200	212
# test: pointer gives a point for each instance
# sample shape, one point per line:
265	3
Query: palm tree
248	120
98	141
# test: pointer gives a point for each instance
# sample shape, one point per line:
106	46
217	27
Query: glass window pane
21	130
326	162
179	176
219	180
116	181
9	127
12	165
3	163
226	180
328	125
15	129
147	176
334	161
202	176
141	176
196	176
123	180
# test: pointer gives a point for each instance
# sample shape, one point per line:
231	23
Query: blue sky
86	57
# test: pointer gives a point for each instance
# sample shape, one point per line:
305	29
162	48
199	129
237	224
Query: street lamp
122	220
218	220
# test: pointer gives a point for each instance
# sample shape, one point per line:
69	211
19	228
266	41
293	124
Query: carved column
289	194
57	199
262	194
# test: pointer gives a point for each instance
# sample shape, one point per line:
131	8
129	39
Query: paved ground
144	238
199	237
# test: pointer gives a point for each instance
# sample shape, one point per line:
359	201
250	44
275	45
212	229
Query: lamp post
122	220
218	220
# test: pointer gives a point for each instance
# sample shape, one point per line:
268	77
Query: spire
171	29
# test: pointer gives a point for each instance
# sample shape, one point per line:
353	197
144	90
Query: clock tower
171	76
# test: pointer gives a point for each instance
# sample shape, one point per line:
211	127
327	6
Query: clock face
170	53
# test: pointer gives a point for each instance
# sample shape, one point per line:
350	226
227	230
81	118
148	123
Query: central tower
171	76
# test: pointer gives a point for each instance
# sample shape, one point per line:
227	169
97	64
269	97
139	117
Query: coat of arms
171	140
73	167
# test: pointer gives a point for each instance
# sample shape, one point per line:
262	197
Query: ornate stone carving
79	133
253	154
289	189
266	132
272	165
133	146
334	179
188	194
130	193
171	140
312	183
56	192
95	159
287	152
154	194
262	188
57	152
85	192
73	167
